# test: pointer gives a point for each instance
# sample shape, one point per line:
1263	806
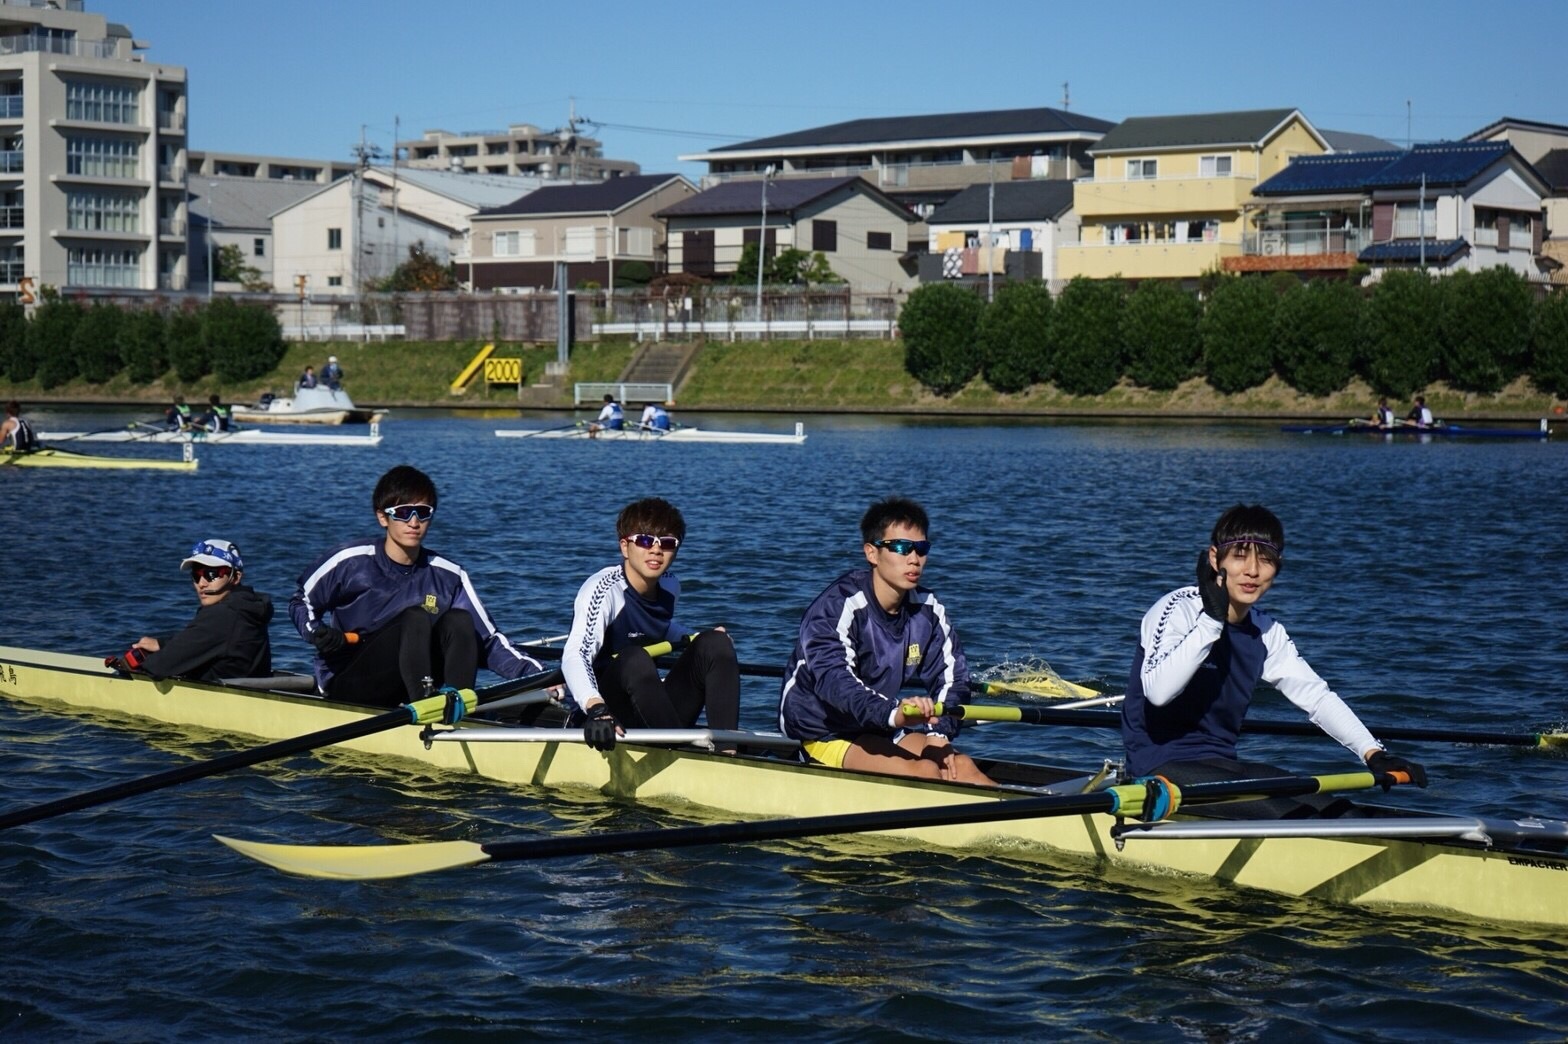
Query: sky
302	77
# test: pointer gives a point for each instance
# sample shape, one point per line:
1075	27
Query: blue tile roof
1446	163
1438	250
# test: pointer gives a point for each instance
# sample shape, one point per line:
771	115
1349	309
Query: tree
1485	328
187	351
789	267
141	346
243	341
96	342
1237	323
1015	336
1317	331
13	335
1086	339
1399	332
1549	343
1160	332
421	273
229	267
938	324
49	341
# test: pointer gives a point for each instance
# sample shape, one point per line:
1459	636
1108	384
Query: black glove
1211	587
328	640
599	729
1384	762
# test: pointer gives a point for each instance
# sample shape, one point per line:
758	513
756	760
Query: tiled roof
1554	168
600	197
785	195
1442	164
1015	201
958	125
1438	250
1350	141
1336	172
474	190
1508	122
1204	128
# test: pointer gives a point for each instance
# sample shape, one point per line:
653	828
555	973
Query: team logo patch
912	655
430	604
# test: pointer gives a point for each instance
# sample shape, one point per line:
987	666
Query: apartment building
204	164
92	154
521	149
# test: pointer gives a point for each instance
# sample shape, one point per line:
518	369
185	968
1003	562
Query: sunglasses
903	547
209	573
647	541
409	512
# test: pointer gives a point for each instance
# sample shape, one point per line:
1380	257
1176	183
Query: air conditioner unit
1271	244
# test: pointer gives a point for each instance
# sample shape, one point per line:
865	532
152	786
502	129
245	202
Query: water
1423	581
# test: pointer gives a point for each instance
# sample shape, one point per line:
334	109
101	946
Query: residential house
237	212
1010	229
92	154
921	161
1165	200
1447	206
1545	147
591	228
863	233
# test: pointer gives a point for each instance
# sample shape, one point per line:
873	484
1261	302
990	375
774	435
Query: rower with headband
1203	650
228	636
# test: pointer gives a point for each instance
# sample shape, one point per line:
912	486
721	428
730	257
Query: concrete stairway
661	363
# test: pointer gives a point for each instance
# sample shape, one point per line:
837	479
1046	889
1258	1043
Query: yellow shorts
829	752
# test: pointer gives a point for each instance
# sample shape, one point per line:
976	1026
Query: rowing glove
328	641
1383	761
599	729
1211	588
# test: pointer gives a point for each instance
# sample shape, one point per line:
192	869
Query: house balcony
1151	197
11	107
171	175
11	161
171	227
1145	259
13	217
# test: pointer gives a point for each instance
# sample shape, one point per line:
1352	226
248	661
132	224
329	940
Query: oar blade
1554	740
361	862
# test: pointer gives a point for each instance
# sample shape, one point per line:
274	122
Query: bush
187	351
96	342
1485	328
49	341
638	273
1549	345
141	346
1236	328
1399	334
1086	337
1160	332
1015	336
1317	332
13	332
940	325
243	341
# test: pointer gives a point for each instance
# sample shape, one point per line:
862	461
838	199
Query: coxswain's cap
214	553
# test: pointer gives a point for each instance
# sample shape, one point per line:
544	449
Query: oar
1104	720
418	712
367	862
543	431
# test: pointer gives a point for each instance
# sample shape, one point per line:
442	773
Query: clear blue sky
299	77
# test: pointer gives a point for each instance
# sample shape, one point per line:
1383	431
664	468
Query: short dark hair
213	399
1251	523
13	408
653	515
892	511
404	484
608	397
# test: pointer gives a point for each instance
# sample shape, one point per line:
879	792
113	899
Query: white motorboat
318	405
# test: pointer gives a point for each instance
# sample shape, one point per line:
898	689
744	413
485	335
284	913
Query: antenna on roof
1066	99
1410	141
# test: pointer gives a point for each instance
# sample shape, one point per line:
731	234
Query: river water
1424	581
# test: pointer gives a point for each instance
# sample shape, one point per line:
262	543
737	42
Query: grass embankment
853	376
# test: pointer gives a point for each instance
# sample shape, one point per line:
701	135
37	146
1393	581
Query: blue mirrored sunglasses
647	541
409	512
903	547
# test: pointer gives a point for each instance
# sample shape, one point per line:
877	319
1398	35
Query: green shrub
187	351
1015	336
96	343
1317	333
1549	345
940	325
1086	338
1399	334
13	332
1237	324
1160	331
141	346
49	341
1485	328
638	273
244	341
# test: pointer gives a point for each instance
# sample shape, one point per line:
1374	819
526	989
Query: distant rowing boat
635	434
1451	431
242	437
58	458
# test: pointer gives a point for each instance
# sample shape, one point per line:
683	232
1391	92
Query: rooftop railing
59	5
29	43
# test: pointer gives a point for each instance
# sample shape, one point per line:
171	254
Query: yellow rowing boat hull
56	458
1460	878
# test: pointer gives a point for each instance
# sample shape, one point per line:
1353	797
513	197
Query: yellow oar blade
1032	677
361	862
1555	740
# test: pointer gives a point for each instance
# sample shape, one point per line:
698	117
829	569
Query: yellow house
1166	196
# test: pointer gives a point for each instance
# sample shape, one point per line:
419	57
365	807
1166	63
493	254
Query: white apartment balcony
171	175
171	227
12	272
12	217
11	161
34	42
11	107
171	122
41	5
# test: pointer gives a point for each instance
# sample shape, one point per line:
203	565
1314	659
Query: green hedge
1015	337
1086	342
1399	334
1160	331
1317	333
940	324
1237	327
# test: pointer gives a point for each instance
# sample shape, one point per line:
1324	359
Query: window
513	244
636	242
258	247
1142	169
100	103
95	267
334	280
581	241
100	157
334	239
824	236
1411	221
1214	166
879	241
103	212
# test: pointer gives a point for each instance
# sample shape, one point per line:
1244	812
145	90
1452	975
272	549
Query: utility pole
762	244
364	153
1421	221
990	236
1066	98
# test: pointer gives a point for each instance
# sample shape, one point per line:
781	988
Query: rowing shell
633	434
1450	431
58	458
1488	869
243	437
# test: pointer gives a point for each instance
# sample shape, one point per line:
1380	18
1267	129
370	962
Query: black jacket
226	640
